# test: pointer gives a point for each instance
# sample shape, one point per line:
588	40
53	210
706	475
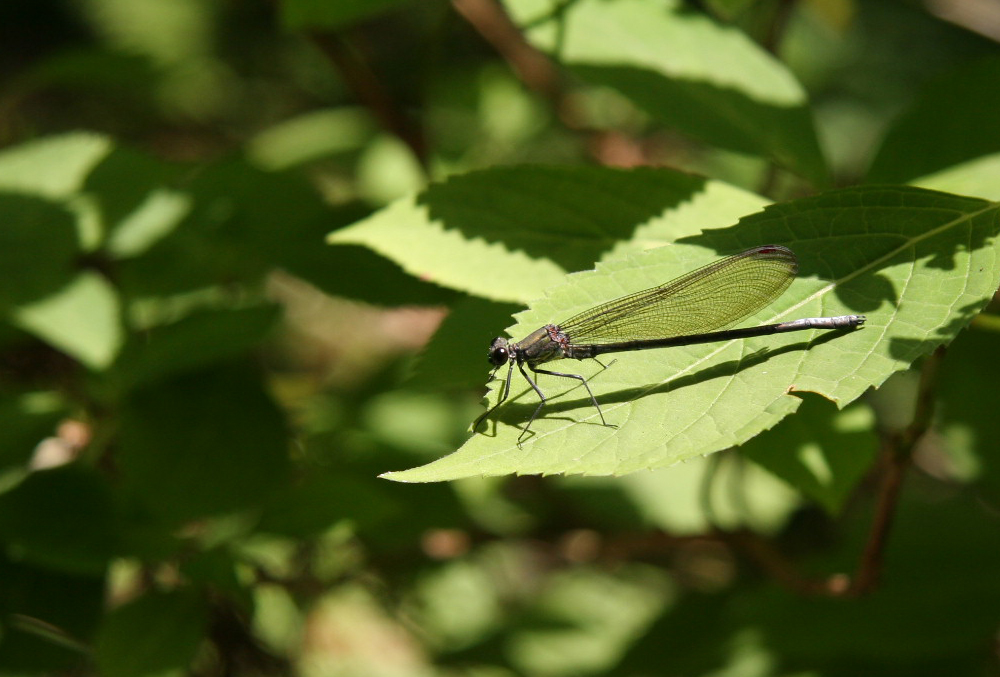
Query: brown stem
531	66
898	451
365	84
776	28
538	73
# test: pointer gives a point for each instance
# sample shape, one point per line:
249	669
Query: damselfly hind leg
538	409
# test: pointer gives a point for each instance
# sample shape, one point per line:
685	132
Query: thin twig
532	67
363	81
776	28
898	452
541	75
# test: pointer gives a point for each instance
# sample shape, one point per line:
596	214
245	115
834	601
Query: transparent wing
710	298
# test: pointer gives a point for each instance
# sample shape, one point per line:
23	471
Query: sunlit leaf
83	320
53	167
509	233
705	79
979	177
919	264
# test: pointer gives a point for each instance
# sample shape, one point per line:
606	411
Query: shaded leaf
322	499
62	519
508	233
154	634
362	274
935	614
453	360
218	569
311	15
820	451
240	222
133	80
953	120
38	248
205	443
194	342
138	194
47	616
969	424
24	421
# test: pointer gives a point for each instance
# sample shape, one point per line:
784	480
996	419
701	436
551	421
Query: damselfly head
499	353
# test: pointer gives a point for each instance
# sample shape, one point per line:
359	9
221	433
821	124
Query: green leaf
157	216
24	421
979	178
452	360
931	616
935	611
83	320
312	15
312	135
157	633
62	519
969	425
362	274
708	80
47	616
584	619
920	265
38	248
240	222
235	223
322	499
202	444
54	167
953	121
687	499
822	452
132	80
218	568
136	198
509	233
193	342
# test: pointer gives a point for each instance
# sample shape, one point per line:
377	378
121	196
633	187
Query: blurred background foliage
197	393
